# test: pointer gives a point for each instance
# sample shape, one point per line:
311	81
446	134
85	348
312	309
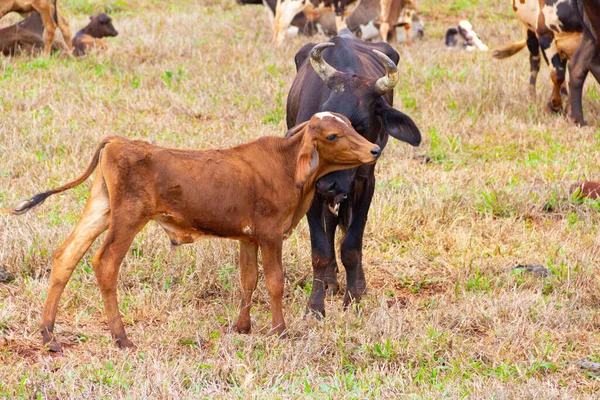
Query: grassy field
444	316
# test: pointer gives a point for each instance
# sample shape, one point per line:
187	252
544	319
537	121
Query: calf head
101	26
330	144
362	100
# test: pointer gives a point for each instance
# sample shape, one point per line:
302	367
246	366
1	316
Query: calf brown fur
50	18
255	193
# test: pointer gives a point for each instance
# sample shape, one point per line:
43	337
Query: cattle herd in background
340	115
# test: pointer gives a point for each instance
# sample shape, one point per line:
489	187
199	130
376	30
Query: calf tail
39	198
509	50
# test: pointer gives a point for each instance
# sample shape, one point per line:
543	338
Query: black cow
586	58
344	75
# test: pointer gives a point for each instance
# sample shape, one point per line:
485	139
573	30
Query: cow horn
324	70
391	78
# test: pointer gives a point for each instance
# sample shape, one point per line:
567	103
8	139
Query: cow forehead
324	114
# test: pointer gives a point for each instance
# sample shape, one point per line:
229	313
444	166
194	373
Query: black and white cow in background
555	28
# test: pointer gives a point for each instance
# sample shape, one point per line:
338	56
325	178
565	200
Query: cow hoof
52	347
317	311
126	344
332	289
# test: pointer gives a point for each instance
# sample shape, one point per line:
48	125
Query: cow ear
302	54
308	159
399	125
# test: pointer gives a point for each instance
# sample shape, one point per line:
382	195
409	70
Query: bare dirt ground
444	316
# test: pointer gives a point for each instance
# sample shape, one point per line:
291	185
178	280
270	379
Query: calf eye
332	137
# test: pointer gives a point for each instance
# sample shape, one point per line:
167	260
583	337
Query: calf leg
107	261
273	268
352	245
331	283
91	224
534	61
248	279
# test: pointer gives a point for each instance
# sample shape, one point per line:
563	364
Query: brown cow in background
26	36
50	16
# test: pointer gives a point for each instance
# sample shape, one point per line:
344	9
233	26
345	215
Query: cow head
101	26
361	100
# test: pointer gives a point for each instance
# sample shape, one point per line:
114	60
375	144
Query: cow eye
332	137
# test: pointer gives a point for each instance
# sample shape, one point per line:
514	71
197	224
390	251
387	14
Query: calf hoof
553	109
52	347
279	331
243	328
126	344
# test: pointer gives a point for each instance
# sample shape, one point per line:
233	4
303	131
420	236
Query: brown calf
255	193
50	18
89	37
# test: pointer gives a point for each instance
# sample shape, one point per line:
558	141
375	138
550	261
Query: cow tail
39	198
509	50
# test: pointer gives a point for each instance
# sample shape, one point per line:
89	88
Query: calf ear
399	125
296	129
308	159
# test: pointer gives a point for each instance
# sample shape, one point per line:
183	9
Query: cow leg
63	25
384	30
340	22
321	258
579	66
273	268
407	31
534	61
352	245
124	225
91	224
557	73
248	279
49	24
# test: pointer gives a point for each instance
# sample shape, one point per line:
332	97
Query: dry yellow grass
443	317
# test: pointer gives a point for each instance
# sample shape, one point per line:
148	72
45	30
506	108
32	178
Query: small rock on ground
539	271
6	276
589	366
